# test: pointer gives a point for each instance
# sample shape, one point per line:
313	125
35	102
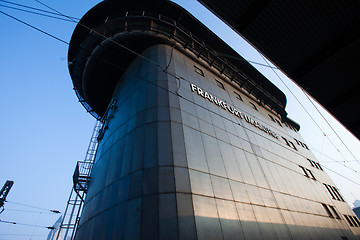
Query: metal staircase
81	179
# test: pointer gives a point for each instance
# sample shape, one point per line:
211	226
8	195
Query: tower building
194	145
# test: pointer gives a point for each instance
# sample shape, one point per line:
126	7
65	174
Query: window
311	162
335	212
307	173
219	84
292	144
337	193
278	122
348	220
331	211
286	141
315	164
327	210
289	143
238	96
312	175
329	190
356	220
289	126
301	144
353	221
253	105
272	118
199	71
318	166
334	192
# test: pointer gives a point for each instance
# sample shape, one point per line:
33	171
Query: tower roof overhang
114	33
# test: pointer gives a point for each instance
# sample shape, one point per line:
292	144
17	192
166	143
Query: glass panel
164	144
248	221
166	179
213	156
229	220
195	150
200	183
150	218
221	187
206	218
186	217
133	219
182	180
168	226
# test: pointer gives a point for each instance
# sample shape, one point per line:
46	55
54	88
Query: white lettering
193	87
232	110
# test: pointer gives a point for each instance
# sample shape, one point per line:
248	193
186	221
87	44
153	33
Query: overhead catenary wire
22	234
102	35
342	175
310	114
26	224
31	26
28	211
111	63
246	60
126	48
338	161
40	14
36	9
31	206
76	20
327	122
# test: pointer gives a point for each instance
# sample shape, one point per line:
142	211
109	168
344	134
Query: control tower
194	145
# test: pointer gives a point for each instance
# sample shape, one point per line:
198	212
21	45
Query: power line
40	14
19	234
330	126
340	161
37	9
26	224
102	35
244	60
342	176
31	206
28	211
38	29
307	111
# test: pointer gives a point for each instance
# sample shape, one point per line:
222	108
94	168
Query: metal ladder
81	179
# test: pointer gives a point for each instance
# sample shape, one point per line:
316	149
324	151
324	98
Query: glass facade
172	164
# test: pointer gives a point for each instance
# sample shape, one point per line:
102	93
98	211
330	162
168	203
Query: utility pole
4	192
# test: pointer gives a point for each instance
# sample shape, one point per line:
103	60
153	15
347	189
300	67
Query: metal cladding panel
190	168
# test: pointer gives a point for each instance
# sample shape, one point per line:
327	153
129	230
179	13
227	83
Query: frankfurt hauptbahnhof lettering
232	110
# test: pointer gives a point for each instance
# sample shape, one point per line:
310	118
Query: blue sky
45	130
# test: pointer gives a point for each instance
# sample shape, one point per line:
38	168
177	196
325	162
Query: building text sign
232	110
